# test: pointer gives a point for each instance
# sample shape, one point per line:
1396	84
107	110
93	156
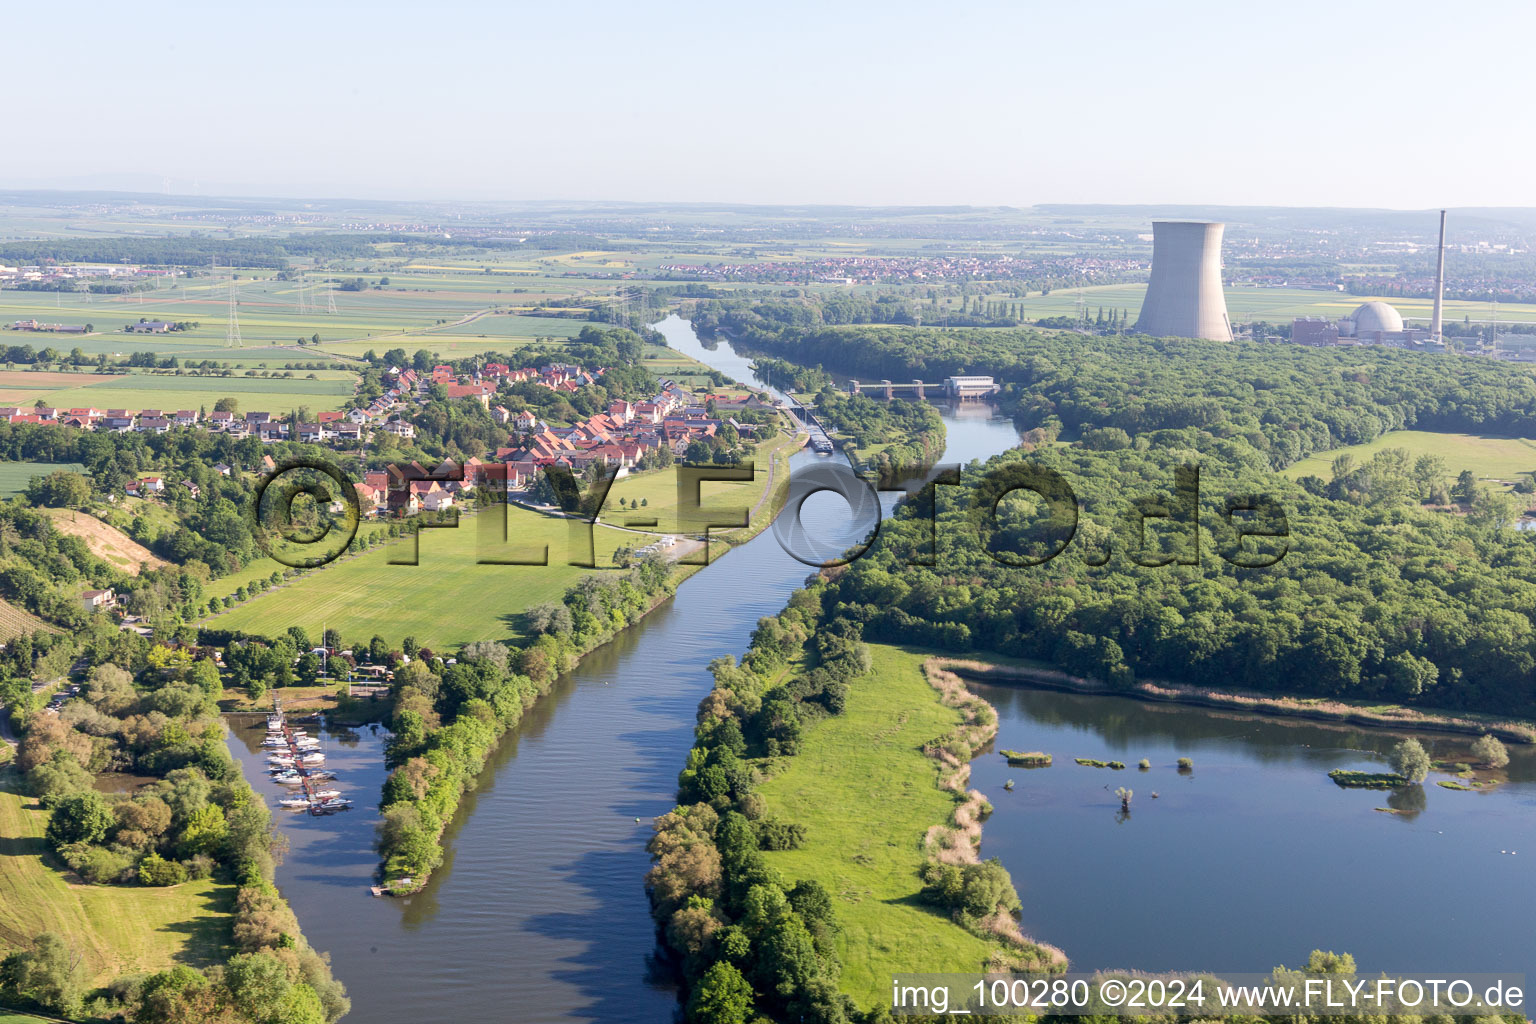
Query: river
538	913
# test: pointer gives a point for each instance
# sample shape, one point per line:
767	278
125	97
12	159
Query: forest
1285	401
1368	598
151	709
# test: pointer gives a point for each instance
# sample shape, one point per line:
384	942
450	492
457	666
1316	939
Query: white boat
336	803
312	758
317	776
293	802
307	744
326	794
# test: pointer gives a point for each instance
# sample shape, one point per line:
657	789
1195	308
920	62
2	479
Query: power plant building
1372	323
1184	297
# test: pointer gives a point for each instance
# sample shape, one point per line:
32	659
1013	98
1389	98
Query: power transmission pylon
232	331
330	298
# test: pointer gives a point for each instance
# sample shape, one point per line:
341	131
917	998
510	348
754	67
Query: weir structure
1184	297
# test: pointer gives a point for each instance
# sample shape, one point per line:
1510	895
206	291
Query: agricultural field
329	389
1489	458
1272	304
866	796
14	476
116	929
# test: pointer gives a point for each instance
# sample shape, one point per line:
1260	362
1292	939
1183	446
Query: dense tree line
1286	401
907	433
151	709
271	252
447	718
1370	597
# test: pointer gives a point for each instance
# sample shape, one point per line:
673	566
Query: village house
98	600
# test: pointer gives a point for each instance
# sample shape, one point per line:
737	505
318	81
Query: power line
232	331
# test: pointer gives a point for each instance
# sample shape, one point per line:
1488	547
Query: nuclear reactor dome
1377	316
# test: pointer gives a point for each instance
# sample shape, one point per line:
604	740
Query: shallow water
1256	857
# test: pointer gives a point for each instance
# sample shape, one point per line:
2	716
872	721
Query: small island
1028	758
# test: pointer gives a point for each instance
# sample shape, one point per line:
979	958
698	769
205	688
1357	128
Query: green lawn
866	795
658	488
14	476
116	929
1500	458
445	601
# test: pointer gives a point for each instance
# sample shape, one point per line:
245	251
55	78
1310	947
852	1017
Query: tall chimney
1184	297
1434	324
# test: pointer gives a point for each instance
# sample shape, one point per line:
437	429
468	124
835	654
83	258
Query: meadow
1489	458
365	595
658	489
14	476
867	795
115	929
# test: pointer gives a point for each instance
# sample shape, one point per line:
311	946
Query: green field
329	389
866	796
658	488
365	595
1495	458
14	476
115	929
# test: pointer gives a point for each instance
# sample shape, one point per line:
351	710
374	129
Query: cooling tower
1184	298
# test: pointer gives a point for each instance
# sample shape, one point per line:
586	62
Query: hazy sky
1401	104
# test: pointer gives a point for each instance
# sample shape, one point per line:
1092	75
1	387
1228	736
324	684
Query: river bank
1314	709
881	792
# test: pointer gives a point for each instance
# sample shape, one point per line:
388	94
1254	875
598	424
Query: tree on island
1410	760
1489	751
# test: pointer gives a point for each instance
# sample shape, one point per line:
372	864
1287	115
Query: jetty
294	759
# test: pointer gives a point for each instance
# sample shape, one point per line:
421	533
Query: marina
294	759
